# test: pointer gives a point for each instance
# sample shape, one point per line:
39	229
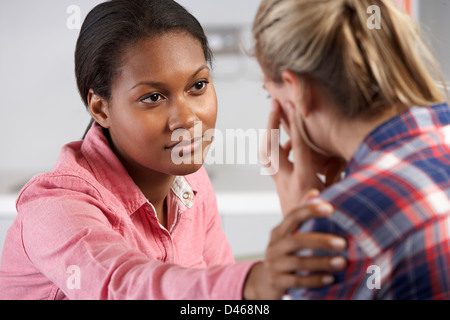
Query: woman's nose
182	116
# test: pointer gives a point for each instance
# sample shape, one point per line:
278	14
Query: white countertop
8	205
248	203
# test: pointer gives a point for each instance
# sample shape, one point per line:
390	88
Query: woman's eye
199	86
152	98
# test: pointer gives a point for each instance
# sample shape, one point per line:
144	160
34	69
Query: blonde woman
365	97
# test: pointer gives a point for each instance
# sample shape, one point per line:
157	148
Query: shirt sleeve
66	230
419	266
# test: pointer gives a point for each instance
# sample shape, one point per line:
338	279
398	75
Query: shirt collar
110	172
400	128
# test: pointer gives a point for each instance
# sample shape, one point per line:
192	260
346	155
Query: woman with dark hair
117	218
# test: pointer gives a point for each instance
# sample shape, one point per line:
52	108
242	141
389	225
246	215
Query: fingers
285	123
316	264
301	152
266	144
284	254
285	266
287	269
310	241
274	117
298	216
319	241
273	156
288	146
265	283
311	196
313	281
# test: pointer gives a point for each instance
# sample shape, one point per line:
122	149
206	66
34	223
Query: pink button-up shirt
86	231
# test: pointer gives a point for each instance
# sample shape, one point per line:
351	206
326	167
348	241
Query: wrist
250	290
257	285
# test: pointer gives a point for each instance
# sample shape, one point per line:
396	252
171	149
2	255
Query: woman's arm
70	228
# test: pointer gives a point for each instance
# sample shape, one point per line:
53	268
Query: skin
270	279
295	178
157	94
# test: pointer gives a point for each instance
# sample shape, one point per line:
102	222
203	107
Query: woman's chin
185	169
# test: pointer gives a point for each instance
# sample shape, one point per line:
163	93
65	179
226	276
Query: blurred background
41	110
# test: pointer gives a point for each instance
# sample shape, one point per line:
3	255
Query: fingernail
338	262
327	280
325	208
313	199
338	243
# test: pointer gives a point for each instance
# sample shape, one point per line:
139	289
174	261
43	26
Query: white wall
40	109
435	18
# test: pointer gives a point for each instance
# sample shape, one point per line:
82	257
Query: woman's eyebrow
198	71
159	84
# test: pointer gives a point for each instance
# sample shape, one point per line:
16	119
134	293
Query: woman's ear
98	107
299	91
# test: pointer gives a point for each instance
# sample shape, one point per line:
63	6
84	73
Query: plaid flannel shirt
393	207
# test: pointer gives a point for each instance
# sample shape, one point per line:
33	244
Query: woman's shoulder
57	184
70	174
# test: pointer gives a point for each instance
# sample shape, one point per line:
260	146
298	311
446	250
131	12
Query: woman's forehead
163	55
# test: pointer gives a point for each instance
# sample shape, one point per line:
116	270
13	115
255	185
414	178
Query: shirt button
187	195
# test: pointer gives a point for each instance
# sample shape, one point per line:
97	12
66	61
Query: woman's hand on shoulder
280	269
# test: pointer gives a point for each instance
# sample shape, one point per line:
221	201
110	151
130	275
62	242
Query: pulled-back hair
364	70
113	26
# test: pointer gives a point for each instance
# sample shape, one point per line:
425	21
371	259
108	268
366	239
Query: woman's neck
347	135
154	185
156	190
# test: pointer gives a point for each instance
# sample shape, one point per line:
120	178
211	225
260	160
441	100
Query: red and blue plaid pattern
393	206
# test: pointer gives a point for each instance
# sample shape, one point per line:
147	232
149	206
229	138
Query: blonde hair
364	70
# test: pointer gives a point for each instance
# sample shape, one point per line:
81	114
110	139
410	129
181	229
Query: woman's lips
186	146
